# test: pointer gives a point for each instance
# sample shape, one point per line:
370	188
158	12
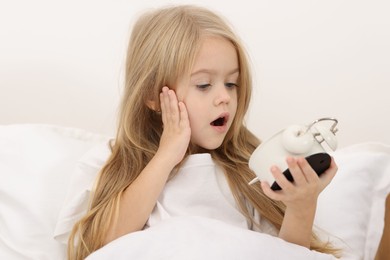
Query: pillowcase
80	190
36	163
352	207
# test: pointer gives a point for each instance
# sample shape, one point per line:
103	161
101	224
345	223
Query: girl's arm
300	198
139	199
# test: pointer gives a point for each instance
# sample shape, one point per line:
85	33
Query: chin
211	145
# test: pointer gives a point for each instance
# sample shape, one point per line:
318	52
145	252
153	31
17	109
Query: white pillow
352	206
80	190
36	162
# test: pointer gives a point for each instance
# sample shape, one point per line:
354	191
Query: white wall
61	62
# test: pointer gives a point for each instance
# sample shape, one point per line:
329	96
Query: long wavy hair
162	47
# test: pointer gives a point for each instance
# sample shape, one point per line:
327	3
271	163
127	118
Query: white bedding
37	163
201	238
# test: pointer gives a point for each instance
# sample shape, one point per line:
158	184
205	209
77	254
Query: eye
231	85
203	86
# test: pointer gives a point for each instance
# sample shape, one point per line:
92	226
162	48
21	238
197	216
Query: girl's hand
301	195
300	198
176	134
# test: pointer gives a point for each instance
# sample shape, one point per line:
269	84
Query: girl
187	89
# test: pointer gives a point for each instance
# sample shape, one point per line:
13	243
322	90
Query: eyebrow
236	70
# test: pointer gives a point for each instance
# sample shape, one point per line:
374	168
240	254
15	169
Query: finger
184	121
166	100
173	107
163	106
280	179
329	174
269	192
307	170
296	172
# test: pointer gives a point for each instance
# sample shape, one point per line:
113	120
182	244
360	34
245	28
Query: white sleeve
80	189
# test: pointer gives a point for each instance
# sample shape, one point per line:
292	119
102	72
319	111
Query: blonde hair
162	47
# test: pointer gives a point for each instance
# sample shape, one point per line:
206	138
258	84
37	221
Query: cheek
181	89
233	101
192	108
195	111
180	95
189	99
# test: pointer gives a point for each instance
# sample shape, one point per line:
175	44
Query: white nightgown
198	189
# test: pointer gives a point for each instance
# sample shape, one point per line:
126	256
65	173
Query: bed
37	162
61	79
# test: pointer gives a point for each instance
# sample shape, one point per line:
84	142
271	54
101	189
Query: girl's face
210	92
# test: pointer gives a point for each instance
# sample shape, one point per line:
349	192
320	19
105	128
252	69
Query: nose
223	95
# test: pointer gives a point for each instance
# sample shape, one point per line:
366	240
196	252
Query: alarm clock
311	141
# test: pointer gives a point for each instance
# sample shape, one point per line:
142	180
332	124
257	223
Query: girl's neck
194	149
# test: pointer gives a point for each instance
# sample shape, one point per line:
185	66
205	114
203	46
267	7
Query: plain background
61	62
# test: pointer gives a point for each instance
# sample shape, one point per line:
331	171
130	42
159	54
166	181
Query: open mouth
220	121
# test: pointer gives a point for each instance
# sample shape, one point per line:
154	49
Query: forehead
215	54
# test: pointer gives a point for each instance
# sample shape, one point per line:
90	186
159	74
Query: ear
153	105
